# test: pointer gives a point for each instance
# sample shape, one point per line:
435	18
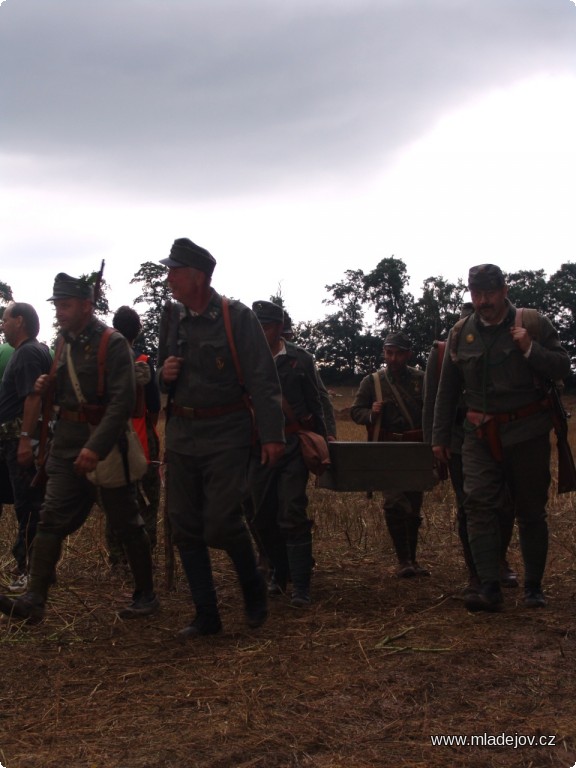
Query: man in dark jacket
29	360
500	369
280	519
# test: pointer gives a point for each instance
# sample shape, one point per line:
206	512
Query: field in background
363	679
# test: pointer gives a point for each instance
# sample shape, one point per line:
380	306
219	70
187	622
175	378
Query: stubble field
363	679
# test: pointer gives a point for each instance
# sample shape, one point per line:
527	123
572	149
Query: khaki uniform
208	457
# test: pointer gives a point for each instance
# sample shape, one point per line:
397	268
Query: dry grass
362	679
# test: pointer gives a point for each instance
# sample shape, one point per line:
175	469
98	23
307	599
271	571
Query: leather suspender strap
102	351
230	337
399	401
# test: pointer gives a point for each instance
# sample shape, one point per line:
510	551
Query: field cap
268	312
485	277
67	287
398	339
185	253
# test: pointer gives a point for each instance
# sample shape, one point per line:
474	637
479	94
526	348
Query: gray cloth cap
185	253
268	312
398	339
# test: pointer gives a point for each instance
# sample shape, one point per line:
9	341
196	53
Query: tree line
365	306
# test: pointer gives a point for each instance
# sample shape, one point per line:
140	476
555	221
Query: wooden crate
390	466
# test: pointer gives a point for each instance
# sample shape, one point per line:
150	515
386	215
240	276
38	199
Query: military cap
485	277
185	253
67	287
398	339
268	312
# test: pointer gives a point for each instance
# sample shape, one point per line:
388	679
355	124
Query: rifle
560	416
171	319
98	283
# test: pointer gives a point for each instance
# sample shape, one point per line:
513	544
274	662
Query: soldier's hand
377	406
521	338
441	453
86	461
271	453
41	384
171	369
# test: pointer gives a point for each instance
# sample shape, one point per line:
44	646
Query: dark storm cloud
218	97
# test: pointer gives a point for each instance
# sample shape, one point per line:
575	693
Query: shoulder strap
441	348
102	350
378	392
237	366
230	337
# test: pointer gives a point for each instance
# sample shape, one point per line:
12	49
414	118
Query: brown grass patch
363	679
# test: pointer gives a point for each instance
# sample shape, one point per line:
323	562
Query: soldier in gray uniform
500	371
221	386
280	518
396	414
84	434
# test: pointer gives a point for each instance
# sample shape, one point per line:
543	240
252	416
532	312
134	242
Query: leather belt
207	413
478	419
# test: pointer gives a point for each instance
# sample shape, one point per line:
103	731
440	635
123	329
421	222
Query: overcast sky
294	139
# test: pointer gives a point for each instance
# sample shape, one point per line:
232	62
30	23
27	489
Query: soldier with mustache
500	370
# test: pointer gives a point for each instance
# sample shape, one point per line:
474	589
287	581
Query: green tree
529	288
433	314
155	293
341	332
5	297
385	289
562	298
